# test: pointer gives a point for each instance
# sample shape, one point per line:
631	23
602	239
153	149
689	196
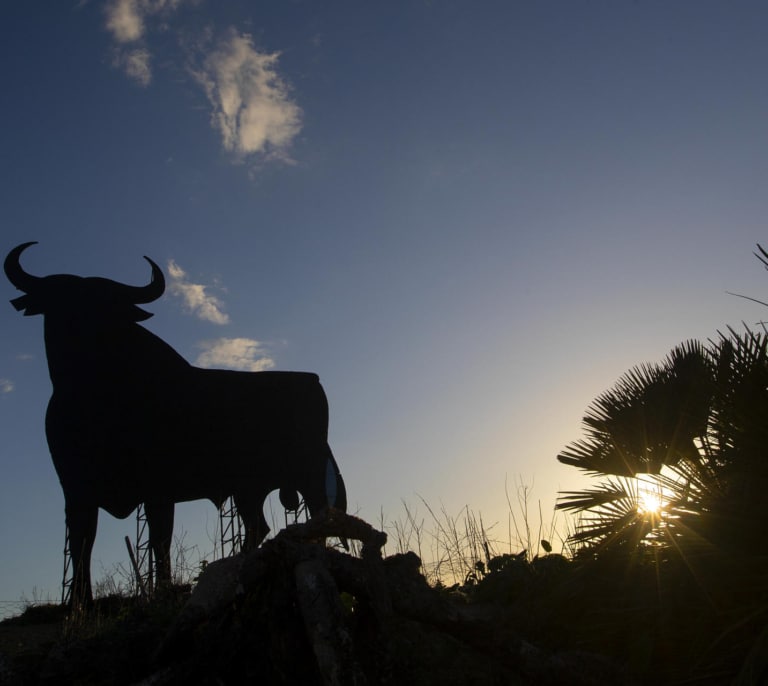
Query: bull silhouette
130	421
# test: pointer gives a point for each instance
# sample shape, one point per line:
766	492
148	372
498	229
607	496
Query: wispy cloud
136	64
126	20
252	106
6	386
195	297
228	353
234	353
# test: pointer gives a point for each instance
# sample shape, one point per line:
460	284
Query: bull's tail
335	490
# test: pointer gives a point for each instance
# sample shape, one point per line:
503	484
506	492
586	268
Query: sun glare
650	503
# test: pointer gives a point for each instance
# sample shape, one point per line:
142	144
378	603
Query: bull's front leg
160	522
81	527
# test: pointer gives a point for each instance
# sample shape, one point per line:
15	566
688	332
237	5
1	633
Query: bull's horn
16	275
139	295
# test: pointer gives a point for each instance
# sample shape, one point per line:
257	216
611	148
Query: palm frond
611	516
607	492
650	418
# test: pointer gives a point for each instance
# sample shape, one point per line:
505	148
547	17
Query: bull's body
131	422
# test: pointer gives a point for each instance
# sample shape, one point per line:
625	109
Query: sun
650	503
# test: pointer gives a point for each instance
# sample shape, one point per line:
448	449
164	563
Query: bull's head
91	296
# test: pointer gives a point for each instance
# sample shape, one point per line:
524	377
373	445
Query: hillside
297	612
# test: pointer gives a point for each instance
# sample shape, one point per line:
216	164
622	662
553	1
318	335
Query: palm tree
694	573
693	429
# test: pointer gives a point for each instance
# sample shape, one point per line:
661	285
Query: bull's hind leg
160	522
250	507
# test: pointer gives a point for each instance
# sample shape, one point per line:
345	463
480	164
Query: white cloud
126	20
6	385
252	108
194	296
136	65
234	353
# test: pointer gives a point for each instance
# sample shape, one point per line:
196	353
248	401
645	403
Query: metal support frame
68	577
230	528
232	534
145	568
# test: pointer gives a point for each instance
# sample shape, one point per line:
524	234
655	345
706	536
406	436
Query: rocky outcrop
298	612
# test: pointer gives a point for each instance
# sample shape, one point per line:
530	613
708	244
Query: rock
217	588
332	643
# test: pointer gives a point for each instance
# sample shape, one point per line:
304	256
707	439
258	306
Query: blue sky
470	218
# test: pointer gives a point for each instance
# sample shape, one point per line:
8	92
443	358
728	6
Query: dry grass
453	547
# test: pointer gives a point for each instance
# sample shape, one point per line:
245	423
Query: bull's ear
21	302
26	303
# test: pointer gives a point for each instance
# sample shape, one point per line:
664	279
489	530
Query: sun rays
650	503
